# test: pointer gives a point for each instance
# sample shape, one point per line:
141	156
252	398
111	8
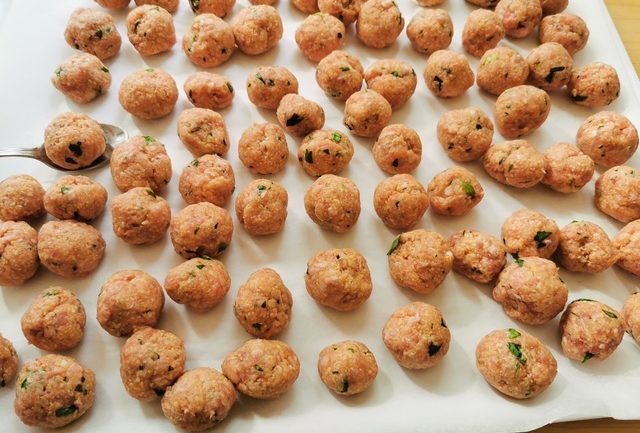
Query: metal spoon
113	135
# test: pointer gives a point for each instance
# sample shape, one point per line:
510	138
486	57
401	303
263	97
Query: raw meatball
199	400
400	201
379	23
590	329
141	161
263	369
150	30
169	5
325	152
208	178
261	207
476	255
521	110
208	41
129	300
333	203
21	198
585	247
306	6
73	140
70	248
345	10
397	149
203	131
417	336
515	163
298	115
8	362
150	361
550	66
208	90
93	32
339	74
419	260
201	229
320	34
515	363
465	134
609	138
627	242
199	283
566	168
18	253
148	93
263	304
568	30
53	391
347	367
430	30
394	79
594	85
553	6
267	85
140	216
263	148
528	233
448	74
113	4
631	315
75	197
500	69
454	192
366	112
220	8
618	193
82	78
482	31
257	29
338	278
519	17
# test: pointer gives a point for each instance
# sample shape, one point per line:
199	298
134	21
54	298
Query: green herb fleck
98	34
147	139
262	187
520	262
395	74
199	266
149	69
540	237
394	245
468	189
259	77
587	356
582	300
195	4
257	326
257	367
337	137
345	385
151	193
104	69
58	71
610	314
155	355
64	189
516	350
308	156
222	247
25	383
433	349
66	411
230	87
344	68
514	333
294	120
195	163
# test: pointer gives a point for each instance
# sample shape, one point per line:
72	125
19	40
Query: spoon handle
18	151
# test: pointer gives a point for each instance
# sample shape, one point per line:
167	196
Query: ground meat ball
476	255
141	161
397	149
345	10
21	198
150	30
129	300
417	336
53	391
263	304
515	363
608	138
263	148
113	4
338	278
366	113
220	8
169	5
553	6
306	6
618	193
208	178
200	399
454	192
631	315
515	163
585	247
201	229
208	90
208	41
521	110
448	74
500	69
550	66
568	30
150	361
482	31
590	329
75	197
400	201
627	242
339	74
566	168
148	94
519	17
82	78
257	29
465	134
261	207
320	34
18	253
203	131
93	32
528	233
347	367
73	140
8	361
298	115
325	152
379	23
333	203
430	30
594	85
140	216
395	80
199	283
267	85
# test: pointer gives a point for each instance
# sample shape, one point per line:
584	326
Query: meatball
345	11
482	31
394	79
566	168
500	69
347	367
339	74
169	5
521	110
515	163
261	207
519	17
553	6
609	138
448	74
430	30
366	112
219	8
550	66
8	361
631	316
477	255
94	32
568	30
208	41
200	399
515	363
208	178
201	229
141	161
150	30
203	131
338	278
627	242
618	193
325	152
113	4
75	197
199	283
454	192
320	34
306	6
397	149
298	115
400	201
74	140
82	78
208	90
148	93
262	369
333	203
267	85
417	336
257	29
263	304
590	329
379	23
53	391
528	233
140	216
465	134
18	253
594	85
263	148
129	300
21	198
585	247
150	361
